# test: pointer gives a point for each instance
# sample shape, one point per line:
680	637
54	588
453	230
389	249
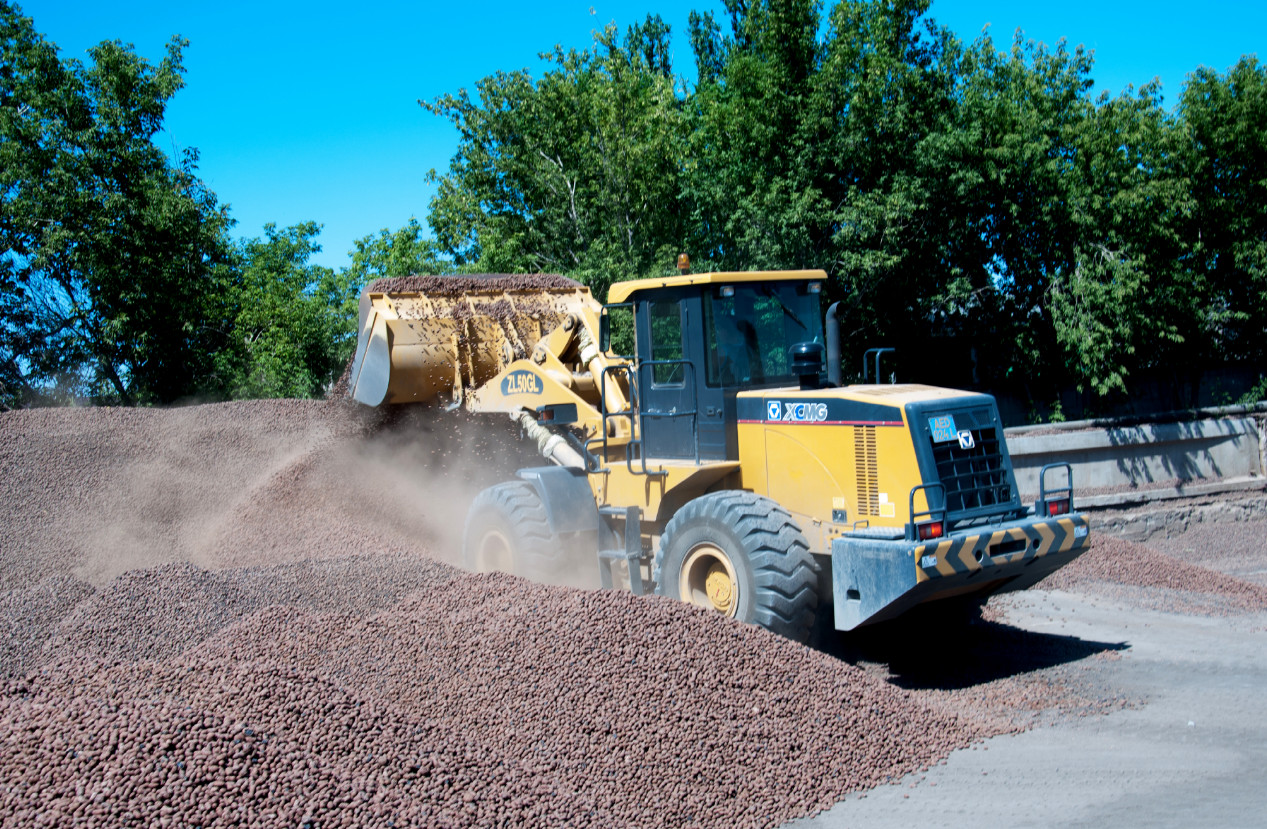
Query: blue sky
309	110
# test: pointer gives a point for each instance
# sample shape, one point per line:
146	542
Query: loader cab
702	338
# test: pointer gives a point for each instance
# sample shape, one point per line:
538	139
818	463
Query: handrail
931	512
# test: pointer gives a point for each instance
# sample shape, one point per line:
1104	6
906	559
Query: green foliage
294	322
959	195
1129	299
883	98
1256	394
1097	311
953	192
1226	162
754	199
573	173
113	260
399	252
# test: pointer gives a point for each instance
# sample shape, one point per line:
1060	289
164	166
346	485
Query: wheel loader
722	462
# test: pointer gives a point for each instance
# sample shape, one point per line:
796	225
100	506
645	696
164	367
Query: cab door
666	376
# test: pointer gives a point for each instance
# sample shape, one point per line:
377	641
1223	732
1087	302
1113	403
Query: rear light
1060	506
933	529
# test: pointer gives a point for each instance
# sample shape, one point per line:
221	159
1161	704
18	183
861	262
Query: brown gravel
241	614
416	714
96	492
237	613
1115	563
460	284
1224	533
29	617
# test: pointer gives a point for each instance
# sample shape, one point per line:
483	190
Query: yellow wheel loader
721	463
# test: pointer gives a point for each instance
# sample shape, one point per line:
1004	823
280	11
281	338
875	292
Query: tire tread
785	574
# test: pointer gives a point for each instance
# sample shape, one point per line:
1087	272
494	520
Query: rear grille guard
975	478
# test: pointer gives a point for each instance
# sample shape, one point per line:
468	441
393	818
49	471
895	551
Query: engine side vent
867	469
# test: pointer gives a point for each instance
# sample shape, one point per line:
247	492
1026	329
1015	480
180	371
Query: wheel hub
708	580
494	554
720	590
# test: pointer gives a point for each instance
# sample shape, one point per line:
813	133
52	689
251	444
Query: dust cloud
97	493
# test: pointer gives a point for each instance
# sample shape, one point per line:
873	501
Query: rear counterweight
874	579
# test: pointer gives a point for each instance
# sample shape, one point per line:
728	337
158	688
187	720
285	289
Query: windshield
750	332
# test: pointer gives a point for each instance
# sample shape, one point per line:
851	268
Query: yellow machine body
907	489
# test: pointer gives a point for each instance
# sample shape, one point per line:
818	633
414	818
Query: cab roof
621	291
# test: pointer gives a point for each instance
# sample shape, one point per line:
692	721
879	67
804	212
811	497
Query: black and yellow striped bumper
876	579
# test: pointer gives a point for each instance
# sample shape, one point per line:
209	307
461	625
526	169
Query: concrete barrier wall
1226	448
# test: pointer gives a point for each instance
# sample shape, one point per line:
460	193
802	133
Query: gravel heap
1224	534
97	492
478	700
1116	562
240	612
460	284
29	616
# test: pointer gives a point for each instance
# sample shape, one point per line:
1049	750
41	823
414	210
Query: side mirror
604	332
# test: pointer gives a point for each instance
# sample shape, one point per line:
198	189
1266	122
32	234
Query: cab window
751	329
665	319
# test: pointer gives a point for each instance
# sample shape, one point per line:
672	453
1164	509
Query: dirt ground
1189	748
250	614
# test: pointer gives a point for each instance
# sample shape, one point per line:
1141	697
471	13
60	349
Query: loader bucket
424	339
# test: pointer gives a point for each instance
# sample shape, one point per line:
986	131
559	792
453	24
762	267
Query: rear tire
741	555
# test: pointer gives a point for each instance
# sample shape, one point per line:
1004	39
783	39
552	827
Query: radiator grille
974	478
867	470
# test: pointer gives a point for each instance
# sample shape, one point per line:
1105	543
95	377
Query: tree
973	203
400	252
1003	164
813	146
293	327
576	172
1226	160
755	194
885	99
114	258
1130	299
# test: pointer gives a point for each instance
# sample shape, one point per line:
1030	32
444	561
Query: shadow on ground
927	653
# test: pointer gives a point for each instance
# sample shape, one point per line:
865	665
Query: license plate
943	428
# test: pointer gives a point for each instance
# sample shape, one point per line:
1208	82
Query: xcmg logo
785	412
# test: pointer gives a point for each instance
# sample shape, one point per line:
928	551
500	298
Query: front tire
507	530
743	556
